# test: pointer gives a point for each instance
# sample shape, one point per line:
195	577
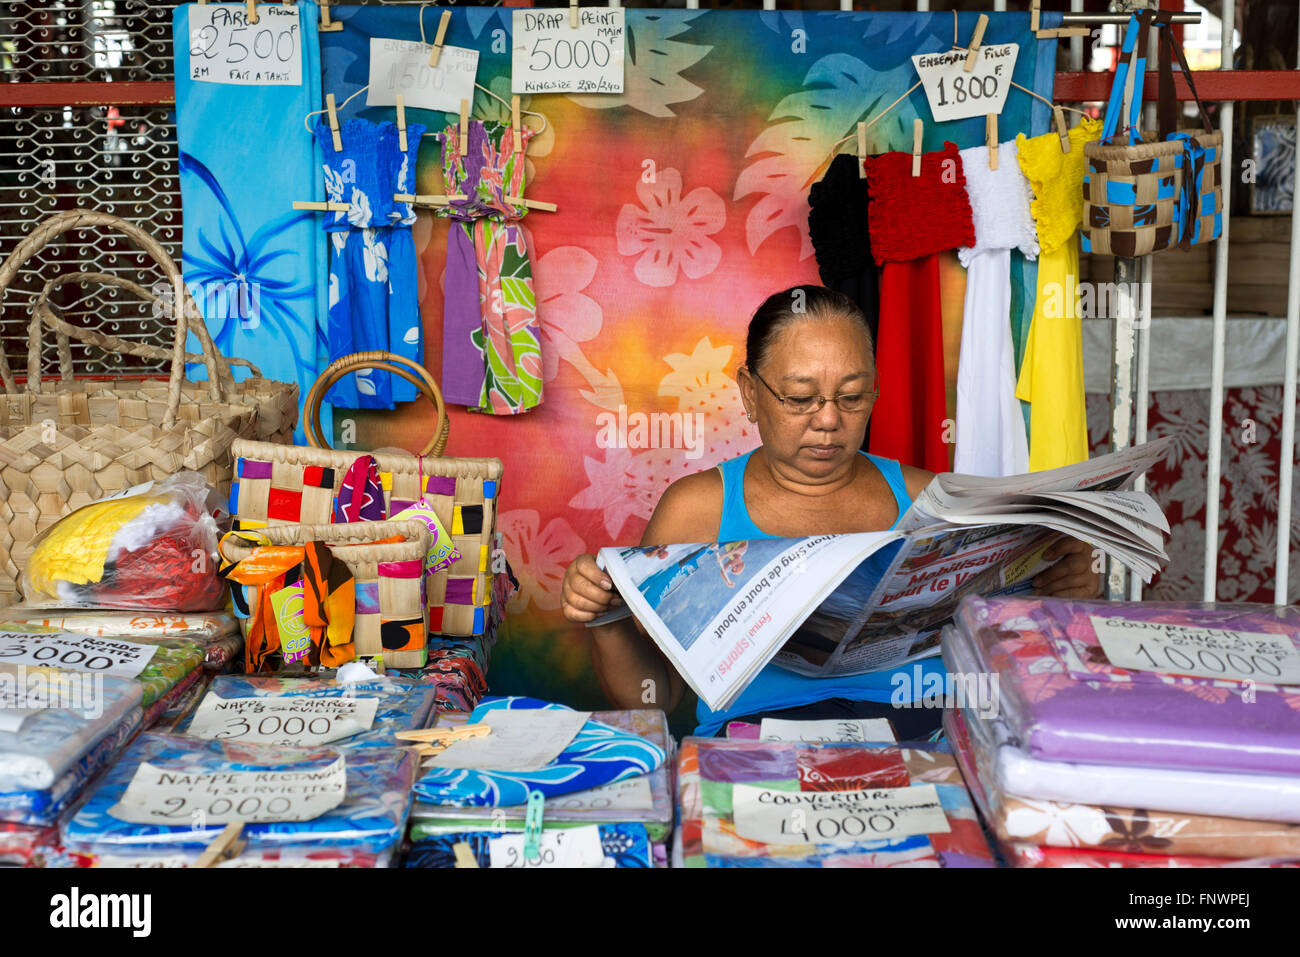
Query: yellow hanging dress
1051	375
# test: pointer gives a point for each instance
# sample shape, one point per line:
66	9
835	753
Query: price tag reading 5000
549	56
226	48
955	94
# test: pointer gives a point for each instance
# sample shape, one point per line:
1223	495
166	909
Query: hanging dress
373	294
912	220
492	342
990	426
1051	376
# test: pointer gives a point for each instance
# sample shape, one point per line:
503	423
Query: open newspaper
848	604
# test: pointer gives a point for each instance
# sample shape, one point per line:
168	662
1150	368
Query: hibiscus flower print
1134	836
1057	825
568	316
539	556
671	231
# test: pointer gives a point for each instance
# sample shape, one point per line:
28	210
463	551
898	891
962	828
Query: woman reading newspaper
809	382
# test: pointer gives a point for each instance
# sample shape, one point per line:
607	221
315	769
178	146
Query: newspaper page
720	611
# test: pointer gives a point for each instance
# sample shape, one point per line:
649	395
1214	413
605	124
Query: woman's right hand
587	591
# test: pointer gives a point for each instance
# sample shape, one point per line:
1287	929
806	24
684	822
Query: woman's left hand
1073	575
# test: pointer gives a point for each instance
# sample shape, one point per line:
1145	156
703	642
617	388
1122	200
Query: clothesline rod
1119	19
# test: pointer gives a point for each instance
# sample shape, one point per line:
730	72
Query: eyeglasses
808	404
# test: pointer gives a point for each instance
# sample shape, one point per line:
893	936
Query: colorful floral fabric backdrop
1252	427
682	205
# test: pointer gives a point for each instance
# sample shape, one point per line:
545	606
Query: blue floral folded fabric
372	816
404	703
598	755
627	844
41	808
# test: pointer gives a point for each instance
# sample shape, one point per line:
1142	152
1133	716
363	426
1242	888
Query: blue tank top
775	688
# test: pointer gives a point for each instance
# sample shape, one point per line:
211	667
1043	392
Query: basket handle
50	315
385	361
188	318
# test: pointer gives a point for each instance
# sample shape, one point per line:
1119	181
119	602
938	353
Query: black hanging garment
837	226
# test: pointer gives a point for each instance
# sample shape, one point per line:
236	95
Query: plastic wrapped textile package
217	631
1058	824
459	680
627	845
21	845
250	857
1003	764
402	703
1064	700
371	818
51	740
1031	855
646	800
711	769
175	660
133	552
598	755
42	807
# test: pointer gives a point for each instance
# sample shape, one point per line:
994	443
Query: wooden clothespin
991	138
515	125
464	855
918	128
333	113
973	51
401	122
436	53
445	734
532	204
1062	130
224	846
862	150
573	14
464	128
1034	13
429	199
321	207
326	24
252	10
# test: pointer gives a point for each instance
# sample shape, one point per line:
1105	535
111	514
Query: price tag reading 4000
955	94
226	48
549	56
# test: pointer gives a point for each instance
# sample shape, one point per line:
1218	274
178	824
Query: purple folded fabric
1065	698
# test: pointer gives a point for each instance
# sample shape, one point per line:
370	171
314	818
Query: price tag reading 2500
549	56
226	48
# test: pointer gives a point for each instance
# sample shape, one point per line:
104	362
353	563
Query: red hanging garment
908	421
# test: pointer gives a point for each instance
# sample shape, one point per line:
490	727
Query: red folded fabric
913	216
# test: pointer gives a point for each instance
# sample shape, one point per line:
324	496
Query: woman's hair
798	302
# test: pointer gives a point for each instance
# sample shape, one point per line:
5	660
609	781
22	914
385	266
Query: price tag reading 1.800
955	94
226	48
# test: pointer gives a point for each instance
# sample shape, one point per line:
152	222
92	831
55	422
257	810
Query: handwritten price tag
160	796
402	66
226	48
955	94
1202	652
836	817
105	656
575	847
820	732
549	56
284	721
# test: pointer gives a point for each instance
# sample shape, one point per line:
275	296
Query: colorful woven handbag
285	484
1151	192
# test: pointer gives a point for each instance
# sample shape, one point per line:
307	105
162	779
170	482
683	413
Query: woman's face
812	357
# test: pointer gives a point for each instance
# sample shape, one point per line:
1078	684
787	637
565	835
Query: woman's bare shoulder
915	479
690	510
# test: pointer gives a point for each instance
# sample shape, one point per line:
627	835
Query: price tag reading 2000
226	48
549	56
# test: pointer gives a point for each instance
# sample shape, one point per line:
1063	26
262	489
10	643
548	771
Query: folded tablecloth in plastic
628	845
